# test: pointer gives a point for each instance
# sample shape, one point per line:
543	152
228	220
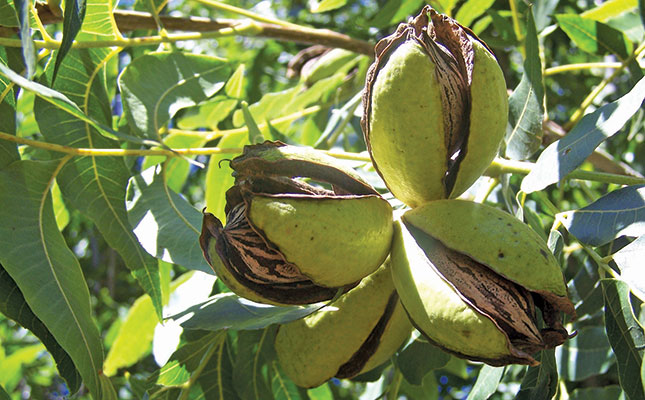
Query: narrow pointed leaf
486	384
165	223
626	336
255	135
14	306
621	212
227	310
8	15
155	86
95	185
72	20
34	253
526	103
566	154
327	5
630	261
235	85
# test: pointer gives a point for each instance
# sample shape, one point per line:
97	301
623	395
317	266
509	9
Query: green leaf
395	11
540	382
597	393
630	261
34	253
584	290
156	85
8	16
60	101
14	306
486	384
270	106
60	211
208	114
471	10
218	174
566	154
96	186
420	358
216	379
249	373
100	23
227	310
28	49
526	103
235	86
326	5
8	150
585	355
625	335
13	366
167	226
176	169
281	386
621	212
543	13
108	391
609	9
134	339
594	37
190	358
3	394
72	21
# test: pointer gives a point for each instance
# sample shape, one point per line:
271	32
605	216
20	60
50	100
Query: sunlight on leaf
621	212
630	261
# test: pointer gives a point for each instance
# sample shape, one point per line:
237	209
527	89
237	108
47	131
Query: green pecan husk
358	332
287	241
471	278
435	109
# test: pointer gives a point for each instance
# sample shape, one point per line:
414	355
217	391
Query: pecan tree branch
128	21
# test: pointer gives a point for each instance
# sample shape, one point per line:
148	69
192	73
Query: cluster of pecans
303	228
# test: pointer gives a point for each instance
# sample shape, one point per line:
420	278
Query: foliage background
99	219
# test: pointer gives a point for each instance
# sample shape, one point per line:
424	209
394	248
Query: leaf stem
247	28
127	20
497	167
580	66
579	113
500	166
393	392
516	20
